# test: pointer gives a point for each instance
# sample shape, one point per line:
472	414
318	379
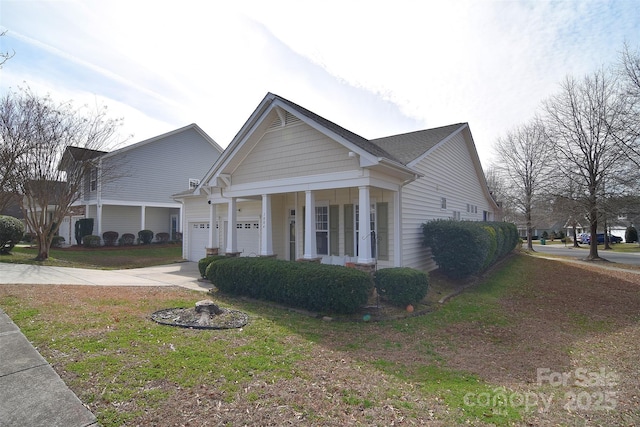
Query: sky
376	68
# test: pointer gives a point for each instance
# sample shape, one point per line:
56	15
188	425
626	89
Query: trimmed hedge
162	237
464	248
401	286
110	238
57	241
145	237
204	263
311	286
91	241
127	239
11	232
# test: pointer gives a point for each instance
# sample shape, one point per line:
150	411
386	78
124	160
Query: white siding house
131	188
294	185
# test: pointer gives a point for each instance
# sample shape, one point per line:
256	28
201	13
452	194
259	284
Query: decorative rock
208	306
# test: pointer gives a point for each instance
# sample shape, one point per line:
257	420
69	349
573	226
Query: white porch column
99	219
212	224
397	229
266	243
143	214
232	233
364	232
310	248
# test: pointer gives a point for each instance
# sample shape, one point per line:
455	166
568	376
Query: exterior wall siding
155	171
122	219
449	173
292	151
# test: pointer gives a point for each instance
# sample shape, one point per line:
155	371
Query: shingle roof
79	153
407	147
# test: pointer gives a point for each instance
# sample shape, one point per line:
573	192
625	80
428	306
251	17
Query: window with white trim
322	230
443	203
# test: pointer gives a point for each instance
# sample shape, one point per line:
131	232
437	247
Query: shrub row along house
295	186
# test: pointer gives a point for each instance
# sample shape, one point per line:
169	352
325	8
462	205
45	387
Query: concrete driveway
183	274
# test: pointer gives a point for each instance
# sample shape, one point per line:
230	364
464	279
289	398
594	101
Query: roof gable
408	147
193	126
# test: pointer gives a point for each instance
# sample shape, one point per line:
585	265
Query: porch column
364	232
99	219
310	248
397	229
232	234
266	243
212	223
143	214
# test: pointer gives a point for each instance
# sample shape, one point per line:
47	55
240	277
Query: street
583	251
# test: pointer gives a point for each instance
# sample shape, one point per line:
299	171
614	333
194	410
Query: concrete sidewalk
31	392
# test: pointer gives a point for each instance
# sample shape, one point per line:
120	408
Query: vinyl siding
155	171
448	172
122	219
293	151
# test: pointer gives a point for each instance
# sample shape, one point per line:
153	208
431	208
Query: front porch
327	226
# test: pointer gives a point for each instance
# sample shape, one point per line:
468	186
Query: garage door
198	240
248	233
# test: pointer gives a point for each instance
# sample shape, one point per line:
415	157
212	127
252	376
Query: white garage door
198	240
248	233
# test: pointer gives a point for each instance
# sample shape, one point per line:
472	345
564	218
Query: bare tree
49	180
589	128
5	56
524	158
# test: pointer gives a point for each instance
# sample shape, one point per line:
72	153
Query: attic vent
276	124
291	118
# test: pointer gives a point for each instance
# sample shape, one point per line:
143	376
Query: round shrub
145	237
57	241
11	232
162	237
204	263
127	239
91	241
401	286
110	238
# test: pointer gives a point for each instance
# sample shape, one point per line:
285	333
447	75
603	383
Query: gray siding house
130	189
295	185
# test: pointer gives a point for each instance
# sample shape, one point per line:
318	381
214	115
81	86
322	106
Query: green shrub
204	263
464	248
631	235
401	286
91	241
145	237
110	238
11	232
127	239
162	237
28	237
311	286
83	227
57	241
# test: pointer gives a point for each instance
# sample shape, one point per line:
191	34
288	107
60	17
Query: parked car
584	238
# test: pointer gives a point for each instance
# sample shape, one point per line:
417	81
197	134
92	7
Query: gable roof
165	135
400	152
407	147
74	154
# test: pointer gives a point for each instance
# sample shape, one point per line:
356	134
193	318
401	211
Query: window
193	183
443	203
456	215
93	179
322	230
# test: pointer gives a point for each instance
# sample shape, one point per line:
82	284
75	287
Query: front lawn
490	356
103	257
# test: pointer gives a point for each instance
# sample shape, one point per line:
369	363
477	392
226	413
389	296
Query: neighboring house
294	185
130	189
